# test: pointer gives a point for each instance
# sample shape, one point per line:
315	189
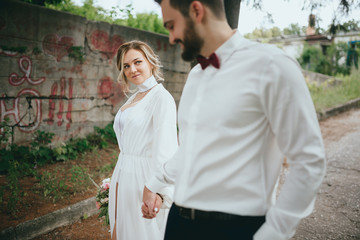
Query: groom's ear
197	11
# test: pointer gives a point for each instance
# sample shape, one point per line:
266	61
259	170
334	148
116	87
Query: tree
344	9
42	2
121	16
145	21
331	63
260	33
275	32
293	29
87	10
348	26
232	9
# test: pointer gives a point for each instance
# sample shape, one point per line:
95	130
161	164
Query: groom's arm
163	177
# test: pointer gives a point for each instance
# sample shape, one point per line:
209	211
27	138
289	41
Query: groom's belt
194	214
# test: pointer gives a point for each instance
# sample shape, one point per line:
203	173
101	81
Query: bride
145	128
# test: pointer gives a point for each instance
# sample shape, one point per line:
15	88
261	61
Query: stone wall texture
58	71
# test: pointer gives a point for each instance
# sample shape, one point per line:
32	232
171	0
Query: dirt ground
34	205
90	228
93	228
336	127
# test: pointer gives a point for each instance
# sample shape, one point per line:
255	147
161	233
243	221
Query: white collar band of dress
147	84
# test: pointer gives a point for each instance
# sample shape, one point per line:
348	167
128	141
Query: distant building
293	44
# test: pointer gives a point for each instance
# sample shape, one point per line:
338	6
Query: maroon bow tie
213	60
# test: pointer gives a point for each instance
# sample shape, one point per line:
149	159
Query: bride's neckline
144	88
147	84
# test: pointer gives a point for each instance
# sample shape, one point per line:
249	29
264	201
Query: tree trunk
232	10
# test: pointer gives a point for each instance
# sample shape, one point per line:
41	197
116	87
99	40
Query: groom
244	107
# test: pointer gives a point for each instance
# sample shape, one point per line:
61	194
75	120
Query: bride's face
136	67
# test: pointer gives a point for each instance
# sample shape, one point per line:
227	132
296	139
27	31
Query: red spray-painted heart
57	46
107	46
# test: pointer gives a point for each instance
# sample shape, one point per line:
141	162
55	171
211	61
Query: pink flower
97	205
105	184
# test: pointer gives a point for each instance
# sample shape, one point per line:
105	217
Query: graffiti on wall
25	66
161	46
111	91
8	53
53	105
61	96
57	46
28	118
26	107
107	46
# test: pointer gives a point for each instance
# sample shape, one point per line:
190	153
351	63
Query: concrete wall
292	45
58	72
319	78
347	37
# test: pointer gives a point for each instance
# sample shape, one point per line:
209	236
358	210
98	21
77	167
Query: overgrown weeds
18	161
326	96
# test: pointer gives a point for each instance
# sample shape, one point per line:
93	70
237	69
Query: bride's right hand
148	214
149	200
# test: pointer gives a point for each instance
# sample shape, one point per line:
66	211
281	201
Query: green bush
107	132
5	132
97	139
79	178
13	187
330	60
18	161
39	152
56	184
53	186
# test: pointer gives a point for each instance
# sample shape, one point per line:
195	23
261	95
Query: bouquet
102	199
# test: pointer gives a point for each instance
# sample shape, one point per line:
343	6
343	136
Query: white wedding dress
147	137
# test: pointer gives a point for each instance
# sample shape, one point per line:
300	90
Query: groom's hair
216	6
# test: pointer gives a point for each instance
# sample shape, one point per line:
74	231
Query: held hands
151	204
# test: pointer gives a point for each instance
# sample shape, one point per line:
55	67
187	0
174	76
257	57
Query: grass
325	96
18	162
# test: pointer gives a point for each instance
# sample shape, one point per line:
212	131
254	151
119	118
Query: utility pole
232	10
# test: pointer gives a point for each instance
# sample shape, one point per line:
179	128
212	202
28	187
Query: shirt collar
235	42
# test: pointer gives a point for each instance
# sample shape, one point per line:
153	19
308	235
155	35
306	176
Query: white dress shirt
236	124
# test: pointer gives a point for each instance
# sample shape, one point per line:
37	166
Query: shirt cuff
266	232
154	185
167	203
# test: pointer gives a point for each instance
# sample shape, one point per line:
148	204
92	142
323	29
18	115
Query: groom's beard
192	42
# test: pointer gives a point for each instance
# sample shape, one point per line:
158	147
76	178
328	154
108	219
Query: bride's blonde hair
148	53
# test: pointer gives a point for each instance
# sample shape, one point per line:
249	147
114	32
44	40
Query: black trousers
184	228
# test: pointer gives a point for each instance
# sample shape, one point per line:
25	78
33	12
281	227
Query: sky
283	12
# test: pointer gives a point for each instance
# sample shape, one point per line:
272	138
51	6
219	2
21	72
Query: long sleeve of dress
165	139
291	114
